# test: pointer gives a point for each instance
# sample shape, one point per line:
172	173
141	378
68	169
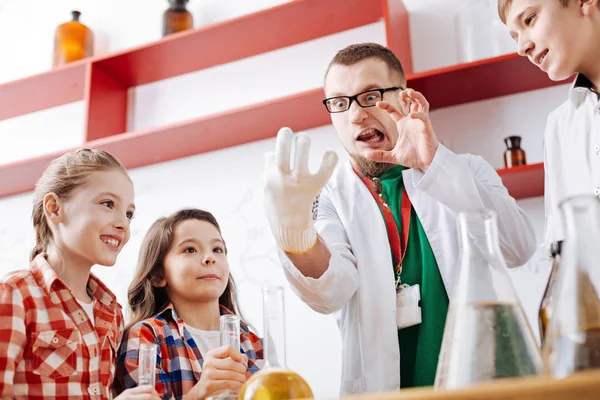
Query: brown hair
357	52
144	297
63	175
504	6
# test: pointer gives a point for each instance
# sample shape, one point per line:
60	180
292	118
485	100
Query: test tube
147	364
230	331
230	336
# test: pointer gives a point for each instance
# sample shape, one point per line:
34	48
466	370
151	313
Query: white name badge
408	312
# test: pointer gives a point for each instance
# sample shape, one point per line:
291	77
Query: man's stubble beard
369	168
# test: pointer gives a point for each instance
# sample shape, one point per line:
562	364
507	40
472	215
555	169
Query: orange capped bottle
72	41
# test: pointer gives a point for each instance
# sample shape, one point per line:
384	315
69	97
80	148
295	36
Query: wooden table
581	386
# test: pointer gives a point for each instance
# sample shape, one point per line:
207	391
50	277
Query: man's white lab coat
359	282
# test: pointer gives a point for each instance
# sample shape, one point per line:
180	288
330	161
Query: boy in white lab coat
562	38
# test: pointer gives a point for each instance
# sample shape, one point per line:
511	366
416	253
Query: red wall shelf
267	30
201	135
524	181
479	80
59	86
103	84
288	24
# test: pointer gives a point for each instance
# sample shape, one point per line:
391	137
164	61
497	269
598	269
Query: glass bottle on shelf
572	341
514	155
276	381
487	335
546	306
480	32
72	41
177	18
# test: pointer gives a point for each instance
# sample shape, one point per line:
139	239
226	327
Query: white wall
228	182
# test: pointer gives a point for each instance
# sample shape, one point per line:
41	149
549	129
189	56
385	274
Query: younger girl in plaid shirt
60	326
181	288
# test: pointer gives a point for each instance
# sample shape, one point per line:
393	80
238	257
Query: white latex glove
290	191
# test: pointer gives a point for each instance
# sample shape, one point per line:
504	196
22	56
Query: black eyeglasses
365	99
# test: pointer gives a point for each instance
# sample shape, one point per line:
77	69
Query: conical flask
276	381
573	337
487	335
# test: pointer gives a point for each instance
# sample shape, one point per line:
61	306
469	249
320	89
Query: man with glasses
379	245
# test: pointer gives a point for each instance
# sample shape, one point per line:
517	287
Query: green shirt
420	344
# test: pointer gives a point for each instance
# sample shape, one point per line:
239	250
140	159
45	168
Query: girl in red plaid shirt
60	326
181	288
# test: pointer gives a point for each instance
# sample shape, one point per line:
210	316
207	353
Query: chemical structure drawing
253	256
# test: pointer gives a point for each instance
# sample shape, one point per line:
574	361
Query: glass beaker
276	381
147	364
230	331
230	336
572	340
487	335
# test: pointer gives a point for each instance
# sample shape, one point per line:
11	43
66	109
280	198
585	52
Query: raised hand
417	142
290	190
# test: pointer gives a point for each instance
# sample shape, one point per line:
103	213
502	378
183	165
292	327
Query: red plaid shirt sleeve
12	337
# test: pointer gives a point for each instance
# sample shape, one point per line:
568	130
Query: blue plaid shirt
179	362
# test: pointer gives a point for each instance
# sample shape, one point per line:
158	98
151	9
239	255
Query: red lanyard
398	248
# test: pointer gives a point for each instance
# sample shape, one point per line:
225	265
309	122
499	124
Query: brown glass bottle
545	311
177	18
514	155
72	41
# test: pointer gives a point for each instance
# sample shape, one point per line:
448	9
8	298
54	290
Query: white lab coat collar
580	88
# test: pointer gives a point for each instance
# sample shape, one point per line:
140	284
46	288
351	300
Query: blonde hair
63	175
145	298
504	6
